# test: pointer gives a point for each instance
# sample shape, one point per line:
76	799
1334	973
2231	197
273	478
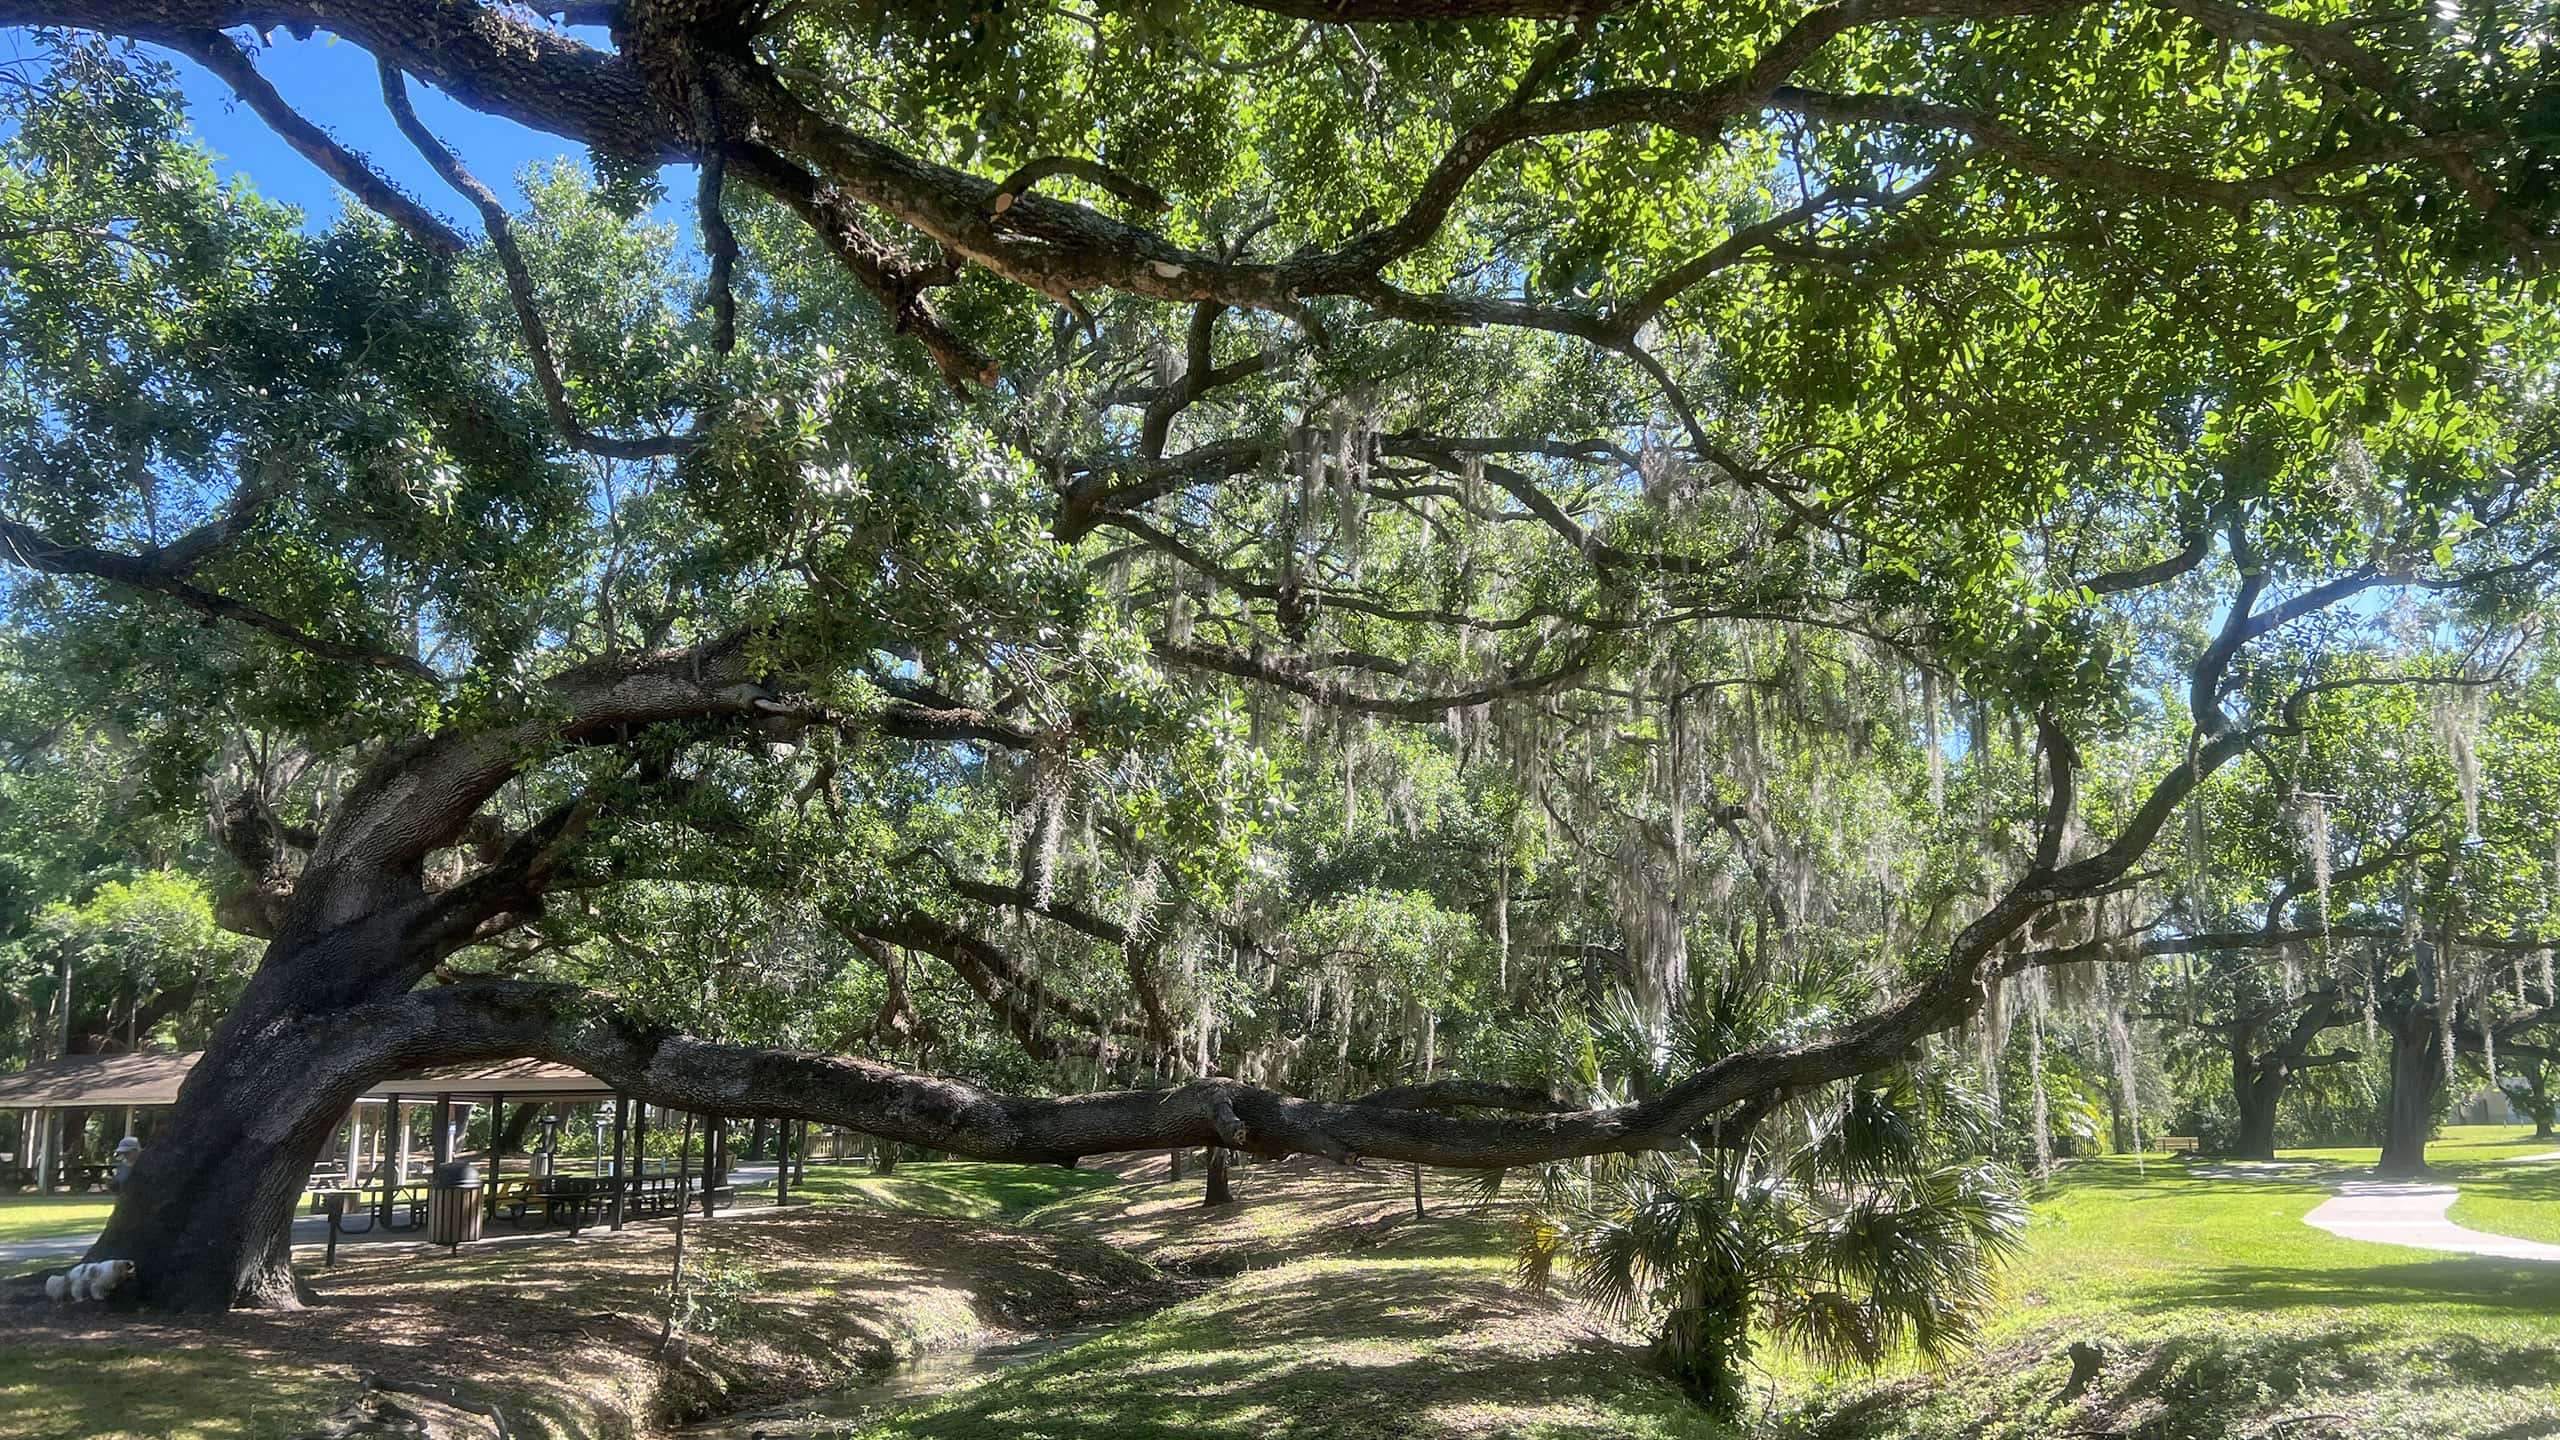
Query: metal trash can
453	1204
336	1202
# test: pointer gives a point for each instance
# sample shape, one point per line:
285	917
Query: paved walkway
2413	1214
311	1234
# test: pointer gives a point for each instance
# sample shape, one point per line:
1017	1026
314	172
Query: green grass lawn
2224	1314
2503	1191
2223	1317
962	1189
107	1391
44	1217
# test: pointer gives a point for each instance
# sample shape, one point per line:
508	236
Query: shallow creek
876	1393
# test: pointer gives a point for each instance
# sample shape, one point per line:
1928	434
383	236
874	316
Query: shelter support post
621	1178
497	1151
400	1141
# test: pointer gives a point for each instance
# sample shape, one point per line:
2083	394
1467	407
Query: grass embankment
1348	1319
562	1335
2223	1315
961	1189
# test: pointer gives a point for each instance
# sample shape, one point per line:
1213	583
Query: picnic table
528	1201
523	1202
574	1199
378	1201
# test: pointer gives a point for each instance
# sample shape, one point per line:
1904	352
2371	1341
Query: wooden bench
2181	1144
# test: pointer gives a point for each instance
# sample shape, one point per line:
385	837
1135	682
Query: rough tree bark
210	1206
2417	1082
2260	1078
1219	1191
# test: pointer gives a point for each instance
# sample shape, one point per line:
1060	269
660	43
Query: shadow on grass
2215	1379
1403	1348
2480	1284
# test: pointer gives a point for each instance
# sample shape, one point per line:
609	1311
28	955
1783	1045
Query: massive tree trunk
207	1215
2260	1079
2536	1099
2417	1081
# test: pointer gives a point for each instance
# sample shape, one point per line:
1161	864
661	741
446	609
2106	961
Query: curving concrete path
2412	1213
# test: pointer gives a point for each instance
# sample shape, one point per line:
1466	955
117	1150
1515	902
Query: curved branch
165	572
1407	707
520	288
223	56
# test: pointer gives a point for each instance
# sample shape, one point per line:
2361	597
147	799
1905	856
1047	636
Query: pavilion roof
516	1079
98	1080
79	1081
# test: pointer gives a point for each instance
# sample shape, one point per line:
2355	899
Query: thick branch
165	571
520	287
224	57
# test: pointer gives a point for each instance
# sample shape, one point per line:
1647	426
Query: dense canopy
1478	583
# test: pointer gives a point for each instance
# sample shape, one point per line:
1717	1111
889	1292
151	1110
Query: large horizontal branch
499	1020
494	59
1333	695
422	794
167	572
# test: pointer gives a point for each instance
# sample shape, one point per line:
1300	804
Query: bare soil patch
563	1336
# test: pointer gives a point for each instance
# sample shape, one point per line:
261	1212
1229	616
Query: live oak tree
2387	870
1671	406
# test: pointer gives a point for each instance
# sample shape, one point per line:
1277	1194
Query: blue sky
335	85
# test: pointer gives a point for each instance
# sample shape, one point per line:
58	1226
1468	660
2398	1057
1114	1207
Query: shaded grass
965	1189
2223	1314
2503	1191
1349	1318
117	1392
562	1334
1299	1210
1378	1346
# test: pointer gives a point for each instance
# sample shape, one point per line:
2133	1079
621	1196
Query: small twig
2283	1423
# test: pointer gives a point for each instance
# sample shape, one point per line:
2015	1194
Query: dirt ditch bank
563	1338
